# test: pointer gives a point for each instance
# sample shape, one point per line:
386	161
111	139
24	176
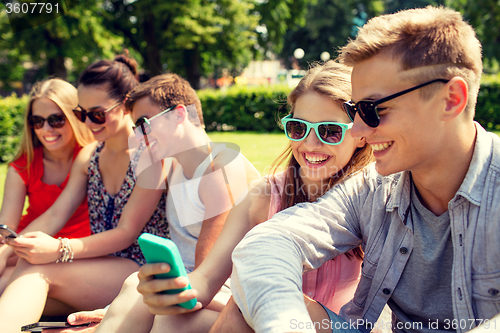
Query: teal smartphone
158	249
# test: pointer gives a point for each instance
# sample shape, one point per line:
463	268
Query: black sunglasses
145	124
98	116
54	120
367	110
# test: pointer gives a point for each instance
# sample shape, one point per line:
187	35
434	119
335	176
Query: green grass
261	149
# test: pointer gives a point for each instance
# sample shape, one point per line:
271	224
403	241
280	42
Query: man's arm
268	262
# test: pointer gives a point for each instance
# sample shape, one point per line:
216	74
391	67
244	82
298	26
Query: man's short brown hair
434	39
167	90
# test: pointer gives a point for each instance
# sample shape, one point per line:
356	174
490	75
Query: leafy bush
11	125
488	106
244	108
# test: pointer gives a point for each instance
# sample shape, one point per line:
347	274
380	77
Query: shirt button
403	250
386	291
493	292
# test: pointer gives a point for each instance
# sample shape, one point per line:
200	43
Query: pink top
337	277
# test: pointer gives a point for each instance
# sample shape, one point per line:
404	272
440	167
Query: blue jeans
338	324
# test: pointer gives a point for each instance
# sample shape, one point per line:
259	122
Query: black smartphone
38	327
7	232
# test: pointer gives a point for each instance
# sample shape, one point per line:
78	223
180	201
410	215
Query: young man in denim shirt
427	213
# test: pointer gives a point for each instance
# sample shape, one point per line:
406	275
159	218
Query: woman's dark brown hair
120	75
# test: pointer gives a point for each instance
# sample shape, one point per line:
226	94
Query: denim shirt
370	210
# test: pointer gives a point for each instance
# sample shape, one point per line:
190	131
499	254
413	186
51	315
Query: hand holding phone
7	232
157	249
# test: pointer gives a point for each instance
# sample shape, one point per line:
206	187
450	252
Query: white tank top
185	211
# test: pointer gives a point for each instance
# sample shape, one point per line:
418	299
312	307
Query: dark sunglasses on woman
54	120
367	110
96	116
328	132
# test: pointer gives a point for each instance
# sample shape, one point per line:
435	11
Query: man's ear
180	113
456	97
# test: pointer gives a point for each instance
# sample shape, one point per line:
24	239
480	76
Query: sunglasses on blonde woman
330	133
54	120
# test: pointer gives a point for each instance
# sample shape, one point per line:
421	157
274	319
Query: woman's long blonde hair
65	96
333	80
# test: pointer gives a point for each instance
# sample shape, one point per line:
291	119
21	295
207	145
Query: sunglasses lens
330	133
56	121
36	122
368	113
350	109
98	117
80	114
295	130
143	126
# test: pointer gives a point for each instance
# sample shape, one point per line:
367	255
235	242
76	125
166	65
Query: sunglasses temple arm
149	149
385	99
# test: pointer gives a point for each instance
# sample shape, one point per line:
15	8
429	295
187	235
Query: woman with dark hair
87	273
51	139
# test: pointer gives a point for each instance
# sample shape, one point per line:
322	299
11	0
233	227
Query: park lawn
259	148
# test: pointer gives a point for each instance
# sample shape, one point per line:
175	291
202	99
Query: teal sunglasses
328	132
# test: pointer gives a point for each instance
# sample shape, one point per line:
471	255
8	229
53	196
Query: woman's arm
136	213
12	209
13	199
36	244
214	270
217	266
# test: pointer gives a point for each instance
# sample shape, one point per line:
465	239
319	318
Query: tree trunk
55	67
152	60
55	64
192	65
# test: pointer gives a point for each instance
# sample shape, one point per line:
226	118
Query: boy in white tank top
205	180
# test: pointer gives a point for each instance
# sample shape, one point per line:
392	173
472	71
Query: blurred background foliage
201	38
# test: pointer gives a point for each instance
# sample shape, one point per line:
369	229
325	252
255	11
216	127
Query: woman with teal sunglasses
321	153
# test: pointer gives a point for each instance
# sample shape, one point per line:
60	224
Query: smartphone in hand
7	232
38	327
158	249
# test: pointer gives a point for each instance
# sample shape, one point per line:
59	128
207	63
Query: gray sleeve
269	261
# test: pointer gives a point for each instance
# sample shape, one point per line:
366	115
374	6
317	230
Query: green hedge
11	125
239	108
244	108
488	106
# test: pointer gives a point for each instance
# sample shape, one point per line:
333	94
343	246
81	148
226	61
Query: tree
66	42
277	17
484	16
187	37
329	25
